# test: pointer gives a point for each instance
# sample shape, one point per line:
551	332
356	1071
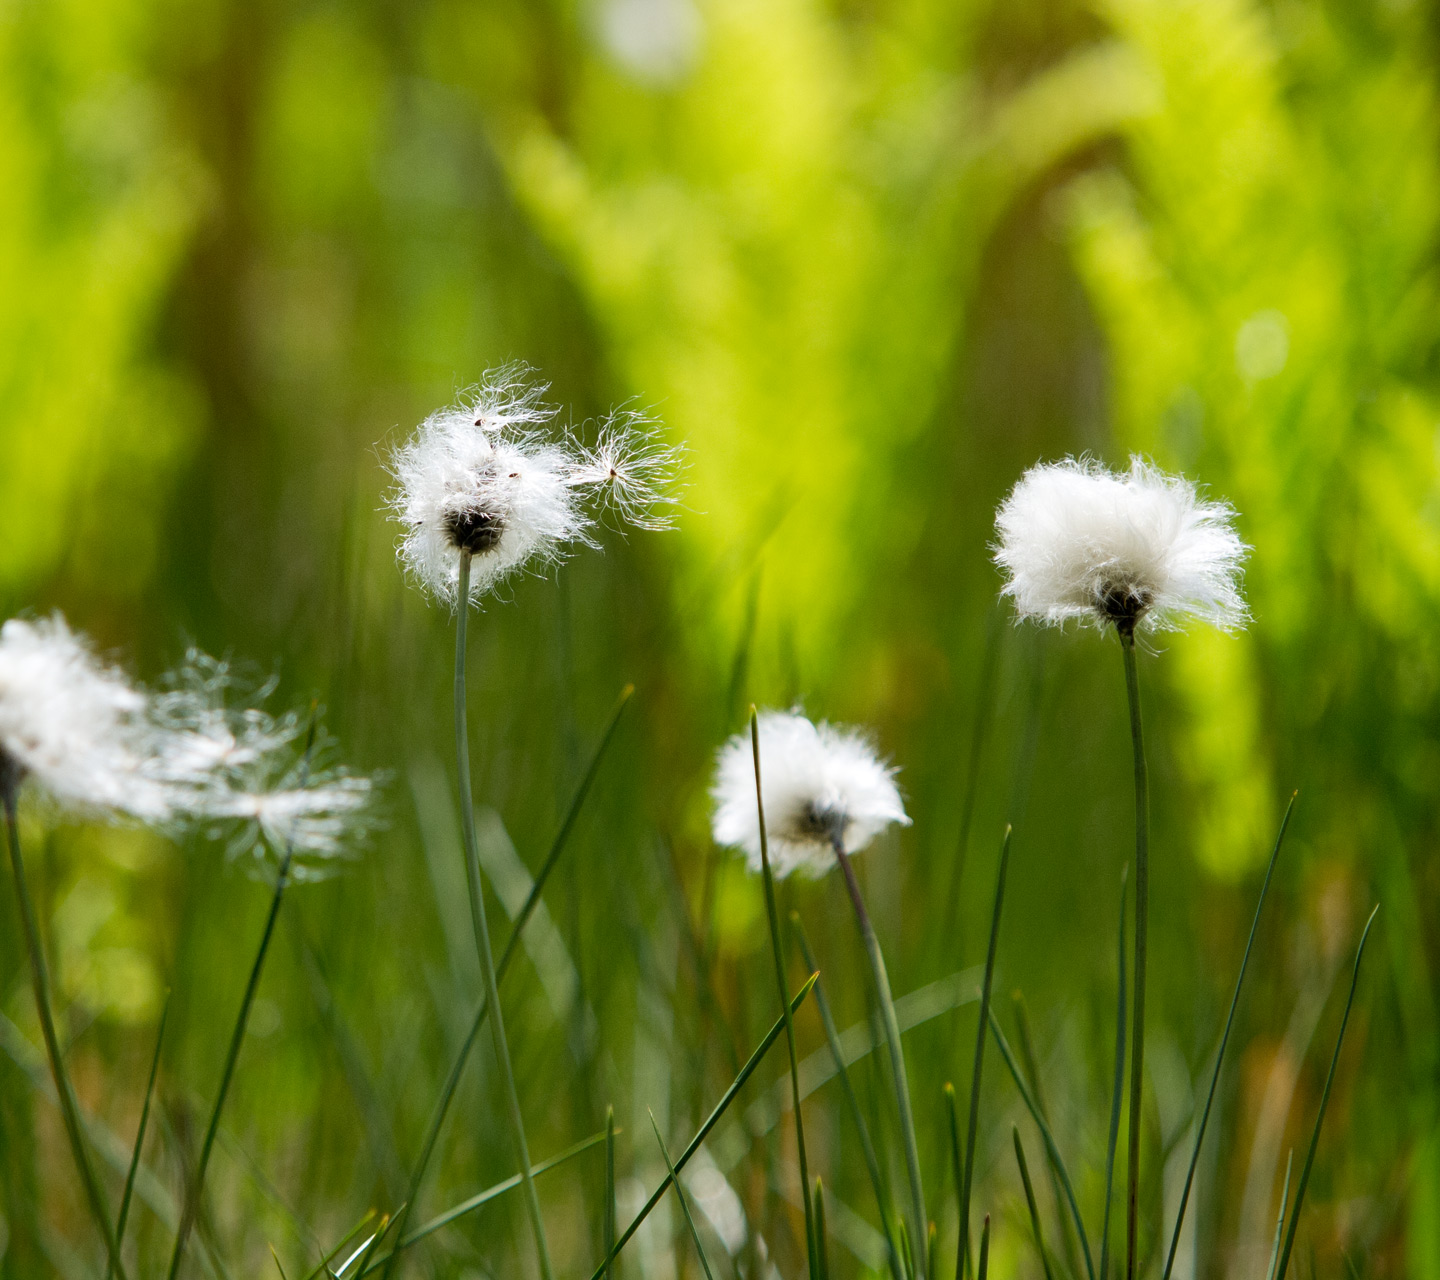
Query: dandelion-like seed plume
484	476
1137	548
822	785
78	729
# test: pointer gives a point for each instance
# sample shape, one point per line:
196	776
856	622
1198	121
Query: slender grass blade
1280	1217
852	1100
822	1247
1030	1202
973	1124
1324	1101
778	950
128	1193
278	1266
684	1201
963	1263
324	1263
1032	1073
1224	1041
1117	1093
984	1266
710	1122
609	1230
1008	1055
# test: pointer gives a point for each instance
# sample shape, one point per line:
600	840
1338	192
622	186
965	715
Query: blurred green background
868	259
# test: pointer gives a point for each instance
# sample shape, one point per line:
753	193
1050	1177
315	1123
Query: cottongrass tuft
484	477
76	727
1133	548
820	783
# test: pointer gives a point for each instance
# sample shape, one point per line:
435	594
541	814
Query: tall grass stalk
984	1268
1142	932
1032	1069
1117	1092
897	1055
1030	1202
822	1247
1224	1041
852	1101
482	928
704	1131
1280	1217
129	1191
963	1265
973	1124
778	951
608	1230
684	1202
40	982
512	943
1324	1102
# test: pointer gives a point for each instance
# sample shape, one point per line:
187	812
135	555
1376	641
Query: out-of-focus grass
869	261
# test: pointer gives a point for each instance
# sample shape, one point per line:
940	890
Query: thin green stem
1142	930
897	1054
1117	1093
1032	1070
1225	1040
684	1203
822	1247
482	928
984	1267
608	1236
140	1132
867	1146
1324	1102
973	1125
1030	1202
1280	1217
779	954
512	944
40	981
237	1038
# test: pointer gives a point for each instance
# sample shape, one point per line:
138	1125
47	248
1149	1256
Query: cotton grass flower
1134	548
483	477
76	727
821	785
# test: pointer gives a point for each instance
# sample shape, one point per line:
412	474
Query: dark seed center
1123	603
474	531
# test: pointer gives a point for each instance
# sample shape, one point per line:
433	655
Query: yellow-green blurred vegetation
868	259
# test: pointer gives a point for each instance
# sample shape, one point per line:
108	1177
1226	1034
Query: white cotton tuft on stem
820	784
1137	548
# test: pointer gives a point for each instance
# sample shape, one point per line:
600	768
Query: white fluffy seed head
1137	548
819	782
482	476
79	729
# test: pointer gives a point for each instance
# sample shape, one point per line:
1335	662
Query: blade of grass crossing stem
973	1124
779	953
852	1100
324	1263
1142	933
1032	1071
1280	1217
40	981
608	1233
1049	1139
1225	1040
984	1266
1117	1093
897	1052
822	1248
1324	1101
512	943
710	1122
1030	1202
963	1265
128	1193
370	1246
684	1201
191	1207
482	928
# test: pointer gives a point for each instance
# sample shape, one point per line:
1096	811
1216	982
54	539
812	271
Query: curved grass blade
1118	1092
1324	1101
609	1230
684	1202
1030	1201
867	1147
773	915
1280	1217
710	1122
367	1250
984	1266
512	943
1225	1040
1049	1138
324	1264
128	1193
1032	1072
973	1125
